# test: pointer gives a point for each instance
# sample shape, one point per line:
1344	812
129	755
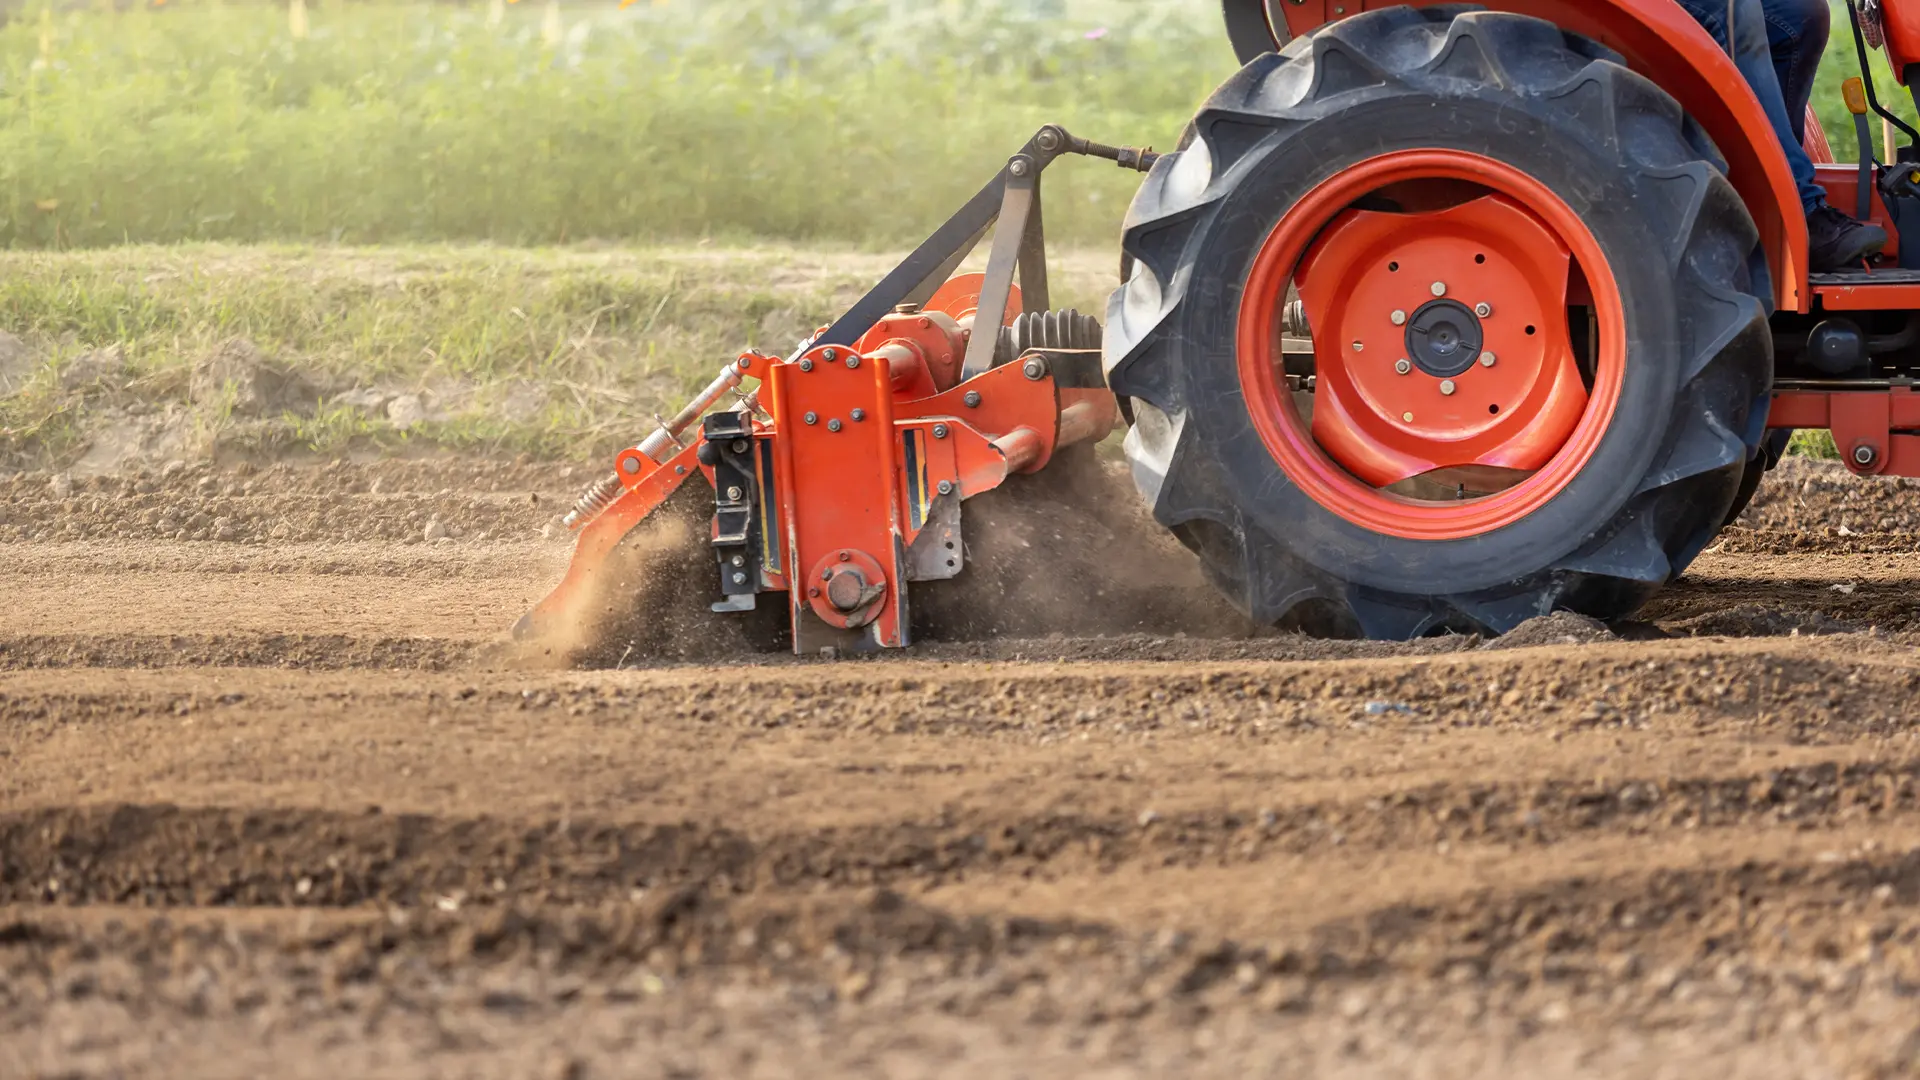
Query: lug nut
1483	309
833	425
1399	318
972	399
1439	288
811	418
1487	359
1446	387
939	431
946	487
1402	366
858	415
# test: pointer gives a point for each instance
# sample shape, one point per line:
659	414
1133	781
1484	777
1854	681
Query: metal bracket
728	446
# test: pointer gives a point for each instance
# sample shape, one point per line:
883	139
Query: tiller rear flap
840	478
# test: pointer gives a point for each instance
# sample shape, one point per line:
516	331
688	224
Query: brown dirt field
275	799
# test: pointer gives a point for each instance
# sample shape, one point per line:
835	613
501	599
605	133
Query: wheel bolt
1446	387
1402	366
1439	288
1487	359
1359	346
1399	318
1483	309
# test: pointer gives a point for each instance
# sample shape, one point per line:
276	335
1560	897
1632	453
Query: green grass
858	121
563	352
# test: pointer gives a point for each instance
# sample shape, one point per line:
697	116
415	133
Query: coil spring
594	501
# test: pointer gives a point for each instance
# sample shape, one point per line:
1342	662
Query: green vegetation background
853	121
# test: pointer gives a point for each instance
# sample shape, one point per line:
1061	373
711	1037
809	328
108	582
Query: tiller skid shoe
840	479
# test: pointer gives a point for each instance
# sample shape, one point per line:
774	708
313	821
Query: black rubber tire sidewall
1595	185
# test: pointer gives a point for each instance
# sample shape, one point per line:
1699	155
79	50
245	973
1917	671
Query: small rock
62	485
405	411
172	469
1148	817
436	531
1381	708
548	532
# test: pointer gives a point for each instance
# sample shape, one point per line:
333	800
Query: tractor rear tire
1658	473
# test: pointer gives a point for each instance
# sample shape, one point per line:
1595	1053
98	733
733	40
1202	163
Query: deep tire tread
1451	51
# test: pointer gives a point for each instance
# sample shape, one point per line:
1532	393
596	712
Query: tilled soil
276	798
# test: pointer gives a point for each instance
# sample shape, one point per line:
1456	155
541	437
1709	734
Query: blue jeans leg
1753	55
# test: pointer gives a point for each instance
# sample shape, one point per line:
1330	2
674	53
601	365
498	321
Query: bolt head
1483	309
738	560
1864	455
1034	369
946	487
1447	387
743	363
1359	346
811	418
1018	166
906	309
833	425
734	492
858	415
939	431
853	361
629	465
972	399
844	557
1403	366
739	579
1399	318
1487	359
806	365
1407	416
830	355
1439	288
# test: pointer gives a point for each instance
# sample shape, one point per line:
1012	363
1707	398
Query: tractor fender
1659	40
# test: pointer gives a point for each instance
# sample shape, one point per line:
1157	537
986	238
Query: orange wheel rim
1441	342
